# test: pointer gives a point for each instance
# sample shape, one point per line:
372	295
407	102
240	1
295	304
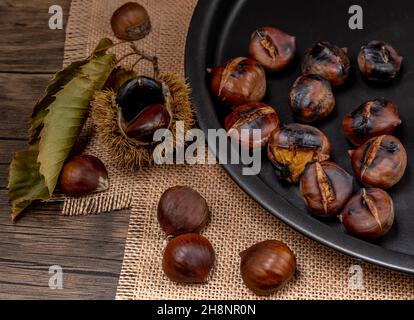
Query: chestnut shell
327	60
373	118
311	98
380	162
251	116
293	146
326	188
369	214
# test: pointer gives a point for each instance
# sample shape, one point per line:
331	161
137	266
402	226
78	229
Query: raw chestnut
272	48
131	22
373	118
182	210
379	62
146	123
293	146
311	98
267	266
188	258
137	94
248	117
327	60
238	81
326	188
380	162
369	214
83	175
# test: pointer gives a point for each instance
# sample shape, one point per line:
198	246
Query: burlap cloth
237	220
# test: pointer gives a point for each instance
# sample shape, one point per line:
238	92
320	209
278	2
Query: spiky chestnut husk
125	151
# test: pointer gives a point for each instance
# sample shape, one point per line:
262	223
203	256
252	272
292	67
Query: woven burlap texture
237	221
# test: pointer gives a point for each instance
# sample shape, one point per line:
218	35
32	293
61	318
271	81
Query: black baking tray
220	29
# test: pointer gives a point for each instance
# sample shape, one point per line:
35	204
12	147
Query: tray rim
195	56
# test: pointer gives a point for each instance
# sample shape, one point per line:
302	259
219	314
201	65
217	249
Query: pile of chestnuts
300	153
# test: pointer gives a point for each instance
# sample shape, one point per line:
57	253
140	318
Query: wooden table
89	249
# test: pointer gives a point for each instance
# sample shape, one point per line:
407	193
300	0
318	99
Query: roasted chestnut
83	175
380	162
272	48
188	258
311	98
238	81
293	146
369	214
379	62
327	60
182	210
131	22
251	116
326	188
373	118
267	266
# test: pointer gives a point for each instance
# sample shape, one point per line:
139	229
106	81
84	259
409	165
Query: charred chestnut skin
251	116
380	162
146	123
267	266
238	81
328	61
293	146
311	98
137	94
378	61
188	258
326	188
181	209
373	118
369	214
272	48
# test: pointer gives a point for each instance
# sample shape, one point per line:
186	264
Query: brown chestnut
327	60
311	98
83	175
131	22
188	258
378	61
380	162
369	214
373	118
272	48
238	81
143	127
326	188
251	116
293	146
267	266
182	210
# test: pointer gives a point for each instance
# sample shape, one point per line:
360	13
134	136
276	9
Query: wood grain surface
89	249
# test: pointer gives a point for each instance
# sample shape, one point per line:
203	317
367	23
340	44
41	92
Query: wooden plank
27	45
8	148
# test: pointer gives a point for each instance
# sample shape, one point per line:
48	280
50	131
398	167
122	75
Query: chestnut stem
125	56
152	59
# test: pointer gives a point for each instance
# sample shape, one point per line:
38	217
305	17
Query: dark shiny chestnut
238	81
152	118
328	61
293	146
188	258
311	98
137	94
272	48
369	214
246	118
373	118
378	61
326	188
182	210
267	266
380	162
